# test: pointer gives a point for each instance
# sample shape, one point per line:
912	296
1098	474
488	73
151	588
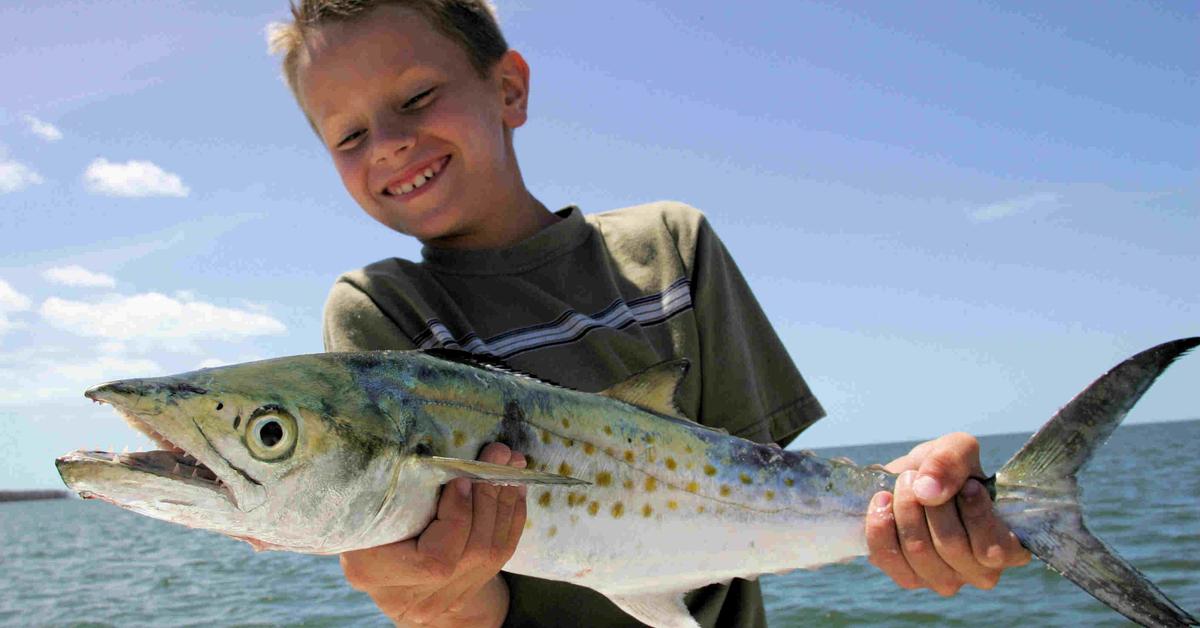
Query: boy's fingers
884	545
948	463
443	541
953	545
991	542
912	529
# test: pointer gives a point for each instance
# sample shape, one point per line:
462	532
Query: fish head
285	454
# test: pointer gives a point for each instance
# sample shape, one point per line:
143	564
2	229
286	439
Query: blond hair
469	23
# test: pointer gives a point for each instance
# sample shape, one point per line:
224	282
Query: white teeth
421	179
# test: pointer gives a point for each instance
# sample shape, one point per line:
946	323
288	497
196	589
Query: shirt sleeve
353	321
750	385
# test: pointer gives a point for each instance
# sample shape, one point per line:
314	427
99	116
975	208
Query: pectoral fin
661	610
494	473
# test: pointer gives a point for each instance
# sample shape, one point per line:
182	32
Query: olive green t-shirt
587	302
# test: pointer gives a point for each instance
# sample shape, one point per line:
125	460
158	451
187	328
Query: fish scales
332	452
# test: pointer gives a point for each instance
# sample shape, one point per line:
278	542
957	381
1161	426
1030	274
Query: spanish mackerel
333	452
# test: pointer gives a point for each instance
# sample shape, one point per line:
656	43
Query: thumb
952	459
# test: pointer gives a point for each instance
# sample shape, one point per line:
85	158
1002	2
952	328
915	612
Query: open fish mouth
123	477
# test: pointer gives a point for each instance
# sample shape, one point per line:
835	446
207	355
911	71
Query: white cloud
211	363
11	300
37	375
15	176
78	276
1043	201
156	319
44	130
132	179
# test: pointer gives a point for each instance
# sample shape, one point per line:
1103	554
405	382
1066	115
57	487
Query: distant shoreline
24	496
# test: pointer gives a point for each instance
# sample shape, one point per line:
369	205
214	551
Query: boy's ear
513	75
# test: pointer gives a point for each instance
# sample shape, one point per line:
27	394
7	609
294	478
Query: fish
332	452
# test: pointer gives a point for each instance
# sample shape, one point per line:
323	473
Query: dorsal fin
653	389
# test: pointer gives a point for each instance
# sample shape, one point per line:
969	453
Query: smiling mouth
417	181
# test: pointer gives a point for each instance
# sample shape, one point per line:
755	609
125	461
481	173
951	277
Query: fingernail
927	488
972	489
464	487
883	502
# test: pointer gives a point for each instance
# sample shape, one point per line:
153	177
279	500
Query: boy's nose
391	142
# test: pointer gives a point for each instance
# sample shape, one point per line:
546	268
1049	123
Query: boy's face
420	140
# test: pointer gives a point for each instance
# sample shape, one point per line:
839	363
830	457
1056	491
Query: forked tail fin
1037	496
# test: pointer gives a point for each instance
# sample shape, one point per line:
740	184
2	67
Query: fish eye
270	434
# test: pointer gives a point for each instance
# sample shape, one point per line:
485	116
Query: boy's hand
449	575
926	537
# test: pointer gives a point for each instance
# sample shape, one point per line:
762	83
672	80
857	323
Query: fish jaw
145	484
151	406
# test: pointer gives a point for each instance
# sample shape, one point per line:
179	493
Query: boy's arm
449	575
939	530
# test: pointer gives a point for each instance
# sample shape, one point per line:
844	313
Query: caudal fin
1037	496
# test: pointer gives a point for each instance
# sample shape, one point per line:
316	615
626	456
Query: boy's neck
522	218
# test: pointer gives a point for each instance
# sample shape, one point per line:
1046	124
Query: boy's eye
346	141
416	100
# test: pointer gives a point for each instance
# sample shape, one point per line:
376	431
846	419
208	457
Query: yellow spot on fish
789	482
744	478
552	531
566	423
700	509
672	504
459	438
671	463
710	470
611	452
649	439
651	456
692	487
604	478
724	490
628	484
687	448
545	437
647	510
589	448
544	499
608	430
593	508
575	499
770	495
568	442
564	469
651	484
628	456
618	509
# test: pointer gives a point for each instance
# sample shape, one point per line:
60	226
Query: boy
417	101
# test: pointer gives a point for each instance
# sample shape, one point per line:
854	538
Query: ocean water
86	563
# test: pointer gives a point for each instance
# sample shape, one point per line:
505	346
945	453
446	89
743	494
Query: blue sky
956	214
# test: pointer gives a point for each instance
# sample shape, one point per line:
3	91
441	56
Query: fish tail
1037	495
